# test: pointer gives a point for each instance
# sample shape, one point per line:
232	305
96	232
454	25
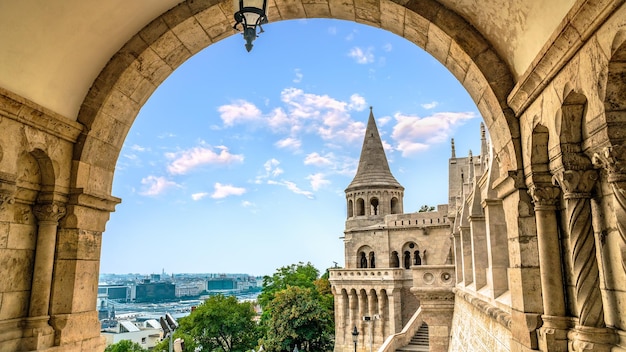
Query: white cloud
292	187
317	181
357	103
240	111
384	120
387	47
362	56
299	76
247	204
198	196
223	191
332	30
414	134
155	185
318	160
289	143
186	160
138	148
430	105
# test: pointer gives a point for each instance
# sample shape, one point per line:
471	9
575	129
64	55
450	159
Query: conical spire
373	166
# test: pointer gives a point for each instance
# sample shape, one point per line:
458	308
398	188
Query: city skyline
236	150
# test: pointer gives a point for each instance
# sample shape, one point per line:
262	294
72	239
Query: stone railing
365	274
403	338
433	276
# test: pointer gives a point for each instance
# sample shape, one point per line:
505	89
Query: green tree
426	208
124	346
300	275
220	324
299	318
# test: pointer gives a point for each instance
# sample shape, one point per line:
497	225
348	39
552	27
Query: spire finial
453	148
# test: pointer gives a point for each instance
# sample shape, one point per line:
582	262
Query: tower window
374	206
395	206
360	207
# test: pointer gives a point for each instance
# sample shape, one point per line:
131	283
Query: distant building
147	334
155	291
119	293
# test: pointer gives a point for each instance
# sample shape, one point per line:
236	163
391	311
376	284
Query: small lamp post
355	337
250	14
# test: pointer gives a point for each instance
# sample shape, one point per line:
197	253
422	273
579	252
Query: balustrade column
590	333
553	332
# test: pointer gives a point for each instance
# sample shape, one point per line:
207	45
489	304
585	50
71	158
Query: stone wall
473	329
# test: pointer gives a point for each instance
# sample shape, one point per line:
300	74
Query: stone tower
383	247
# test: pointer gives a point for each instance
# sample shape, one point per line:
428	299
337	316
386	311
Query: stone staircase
419	342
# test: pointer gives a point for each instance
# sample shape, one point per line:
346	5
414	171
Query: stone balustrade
366	274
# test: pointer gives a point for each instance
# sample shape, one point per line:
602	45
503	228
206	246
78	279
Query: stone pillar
458	257
612	160
466	255
381	312
48	216
362	326
354	312
524	274
395	311
479	250
340	316
553	332
590	333
497	247
437	311
38	334
76	267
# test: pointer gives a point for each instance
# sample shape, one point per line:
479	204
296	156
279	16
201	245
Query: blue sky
239	161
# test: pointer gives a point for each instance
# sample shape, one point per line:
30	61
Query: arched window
417	260
407	259
374	206
350	209
395	260
372	260
362	260
395	206
360	207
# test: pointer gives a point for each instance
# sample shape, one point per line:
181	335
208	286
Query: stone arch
374	206
363	256
143	63
615	93
360	207
395	205
350	208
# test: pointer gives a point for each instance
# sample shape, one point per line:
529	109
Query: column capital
544	196
575	183
53	211
613	160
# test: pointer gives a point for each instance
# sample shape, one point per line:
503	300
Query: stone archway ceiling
52	51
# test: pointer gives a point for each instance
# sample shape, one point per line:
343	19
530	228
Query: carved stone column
38	333
48	216
612	159
590	333
76	267
553	332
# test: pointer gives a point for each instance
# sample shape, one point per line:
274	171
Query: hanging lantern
250	14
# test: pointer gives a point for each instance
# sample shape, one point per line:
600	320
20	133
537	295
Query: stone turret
374	192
